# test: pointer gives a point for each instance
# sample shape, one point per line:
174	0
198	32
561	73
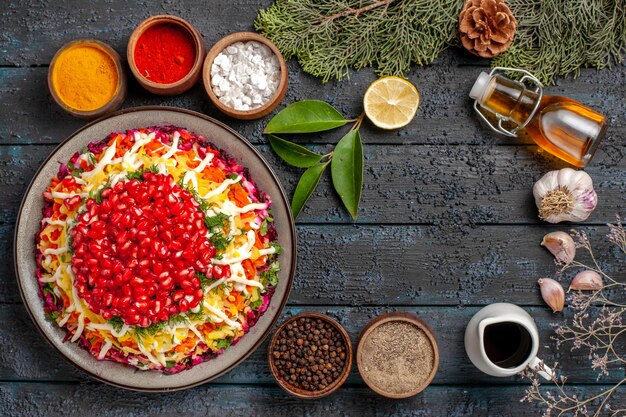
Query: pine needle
390	36
558	37
328	37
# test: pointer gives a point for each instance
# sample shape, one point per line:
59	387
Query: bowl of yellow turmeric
86	78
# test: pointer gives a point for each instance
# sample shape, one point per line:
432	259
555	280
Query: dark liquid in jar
507	344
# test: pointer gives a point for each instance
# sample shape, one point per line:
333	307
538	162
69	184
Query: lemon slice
391	102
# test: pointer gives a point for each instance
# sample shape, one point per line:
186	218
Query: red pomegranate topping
137	252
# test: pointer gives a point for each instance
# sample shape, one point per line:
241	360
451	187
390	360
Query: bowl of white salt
397	355
245	75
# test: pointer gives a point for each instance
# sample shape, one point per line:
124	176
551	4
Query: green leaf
293	154
306	116
347	171
306	186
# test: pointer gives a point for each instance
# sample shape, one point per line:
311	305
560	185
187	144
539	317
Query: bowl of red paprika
165	54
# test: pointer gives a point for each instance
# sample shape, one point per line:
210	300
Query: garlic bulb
561	245
552	293
586	281
565	195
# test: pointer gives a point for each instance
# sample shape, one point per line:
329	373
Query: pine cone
487	27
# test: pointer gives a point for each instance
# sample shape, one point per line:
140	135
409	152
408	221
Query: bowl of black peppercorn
310	355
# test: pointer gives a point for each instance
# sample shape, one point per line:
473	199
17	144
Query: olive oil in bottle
561	126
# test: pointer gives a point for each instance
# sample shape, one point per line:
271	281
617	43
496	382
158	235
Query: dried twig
598	333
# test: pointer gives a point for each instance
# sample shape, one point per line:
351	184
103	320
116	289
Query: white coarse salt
245	75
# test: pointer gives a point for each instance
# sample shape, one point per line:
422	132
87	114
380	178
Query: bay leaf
307	184
306	116
294	154
347	171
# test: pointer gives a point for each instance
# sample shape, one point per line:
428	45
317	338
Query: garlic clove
565	195
561	245
586	281
552	293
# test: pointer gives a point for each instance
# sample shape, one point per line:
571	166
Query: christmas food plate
155	249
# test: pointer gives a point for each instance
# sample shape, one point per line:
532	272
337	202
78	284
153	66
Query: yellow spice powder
85	77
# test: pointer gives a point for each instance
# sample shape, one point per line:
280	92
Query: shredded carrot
187	344
249	268
213	174
239	195
259	242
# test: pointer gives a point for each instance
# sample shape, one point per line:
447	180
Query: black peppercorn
309	354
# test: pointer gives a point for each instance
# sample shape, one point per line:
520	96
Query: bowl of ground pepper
310	355
86	78
397	355
165	54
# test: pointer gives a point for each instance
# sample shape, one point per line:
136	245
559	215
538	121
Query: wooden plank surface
445	115
410	184
97	400
413	265
42	363
447	222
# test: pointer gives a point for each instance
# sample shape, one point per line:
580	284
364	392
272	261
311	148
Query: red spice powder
165	53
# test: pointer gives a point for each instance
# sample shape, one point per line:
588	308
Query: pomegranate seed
178	295
137	252
166	283
218	271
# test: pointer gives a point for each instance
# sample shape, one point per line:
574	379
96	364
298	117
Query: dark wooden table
447	223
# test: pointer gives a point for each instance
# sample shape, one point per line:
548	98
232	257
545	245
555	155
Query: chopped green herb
138	175
151	330
180	180
216	221
170	364
223	343
197	316
117	323
220	241
204	206
263	228
97	194
92	159
232	176
48	288
176	320
204	281
256	304
270	276
53	315
276	247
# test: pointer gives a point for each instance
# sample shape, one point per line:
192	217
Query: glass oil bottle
559	125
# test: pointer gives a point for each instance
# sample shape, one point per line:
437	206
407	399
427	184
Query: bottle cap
480	86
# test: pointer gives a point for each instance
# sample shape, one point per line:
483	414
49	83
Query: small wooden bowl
272	103
395	317
188	80
301	393
114	103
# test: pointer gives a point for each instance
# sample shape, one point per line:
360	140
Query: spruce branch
356	12
328	37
